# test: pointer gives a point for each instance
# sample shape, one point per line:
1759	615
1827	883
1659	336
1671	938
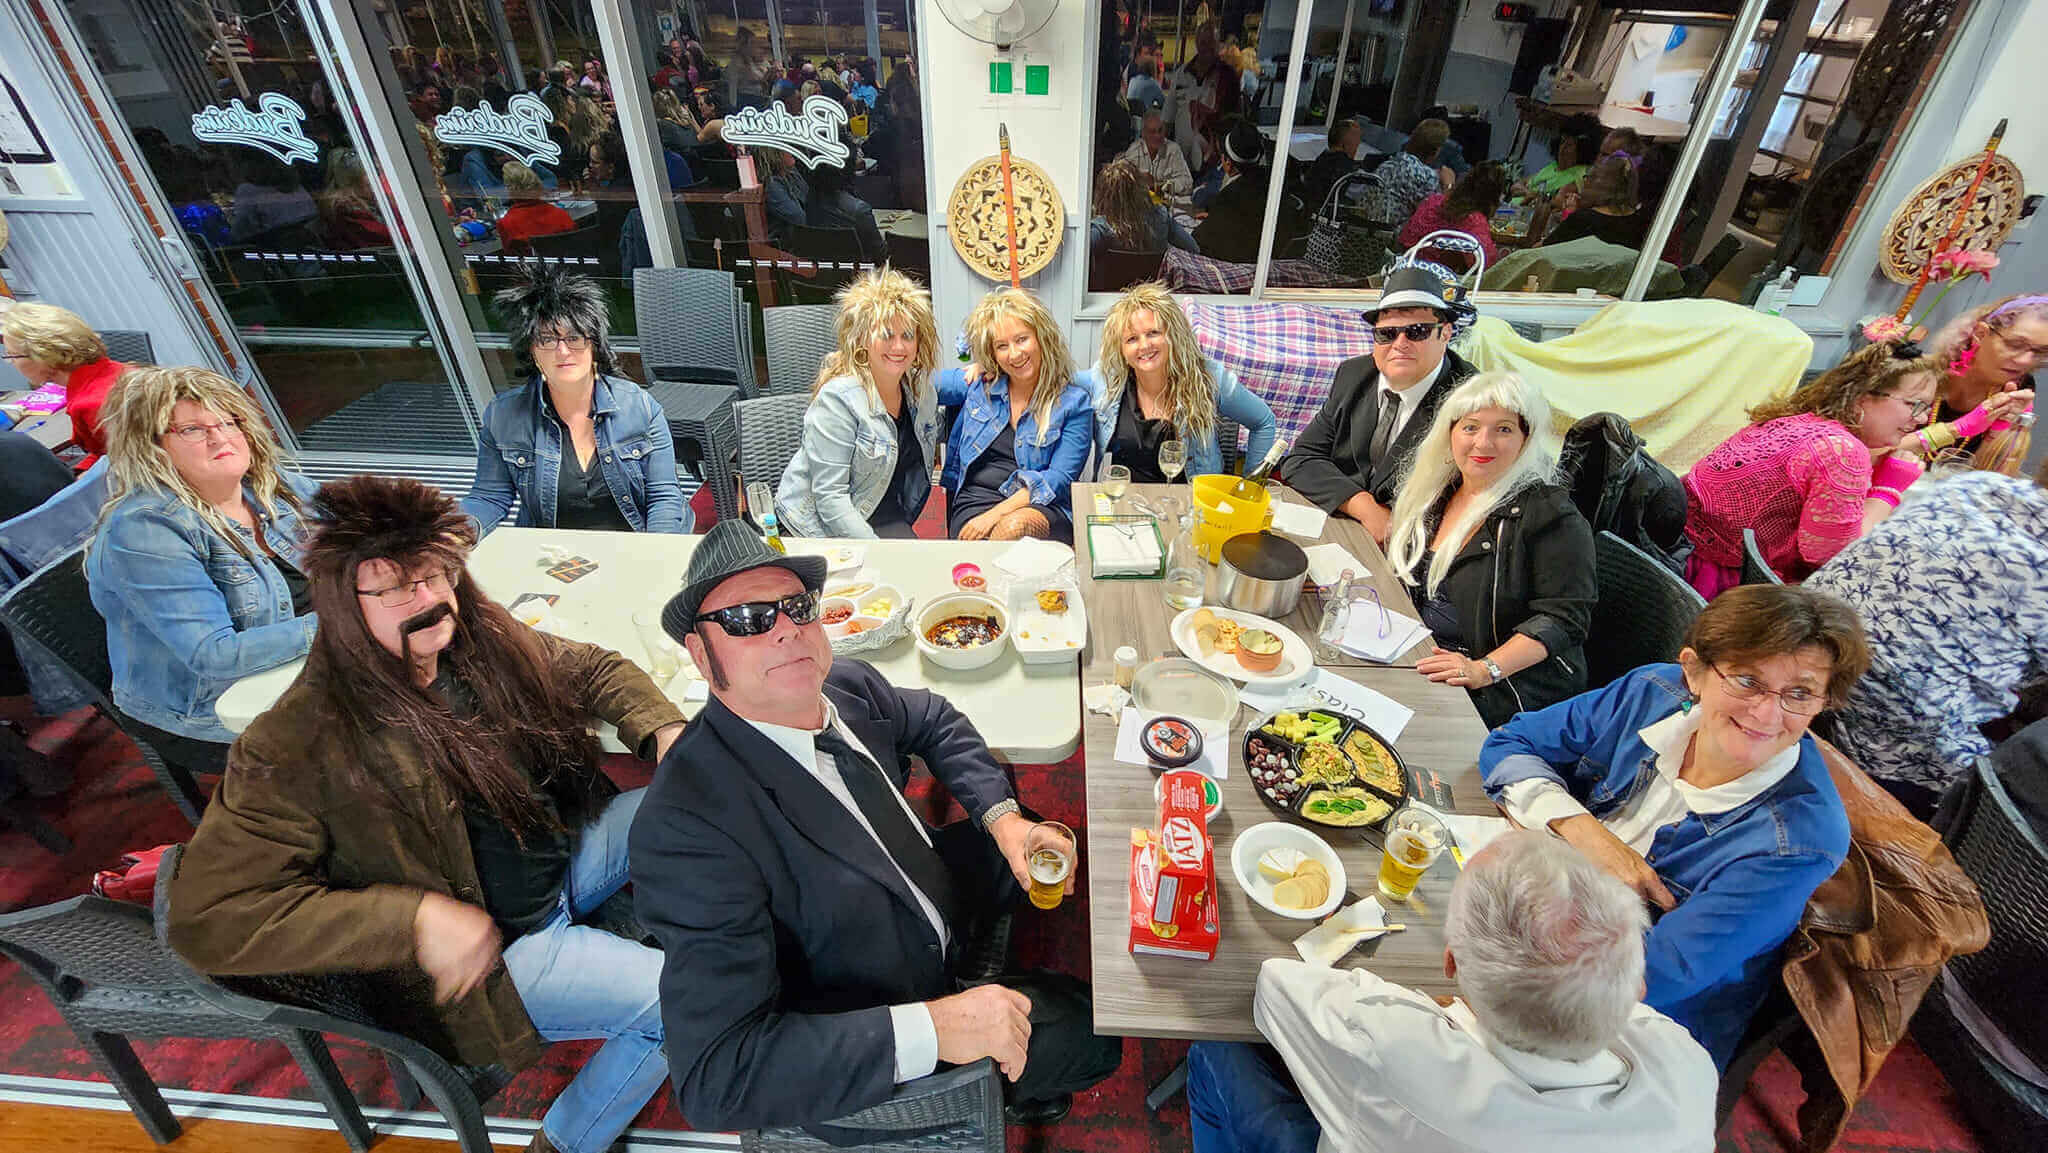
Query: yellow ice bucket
1219	515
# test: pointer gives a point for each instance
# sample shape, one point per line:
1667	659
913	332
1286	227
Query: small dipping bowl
831	607
1171	742
967	578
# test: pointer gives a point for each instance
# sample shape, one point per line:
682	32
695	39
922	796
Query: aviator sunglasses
753	618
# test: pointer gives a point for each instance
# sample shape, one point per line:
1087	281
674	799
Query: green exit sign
999	76
1037	79
1002	78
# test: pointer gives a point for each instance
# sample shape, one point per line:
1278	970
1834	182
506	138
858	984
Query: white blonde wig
1433	474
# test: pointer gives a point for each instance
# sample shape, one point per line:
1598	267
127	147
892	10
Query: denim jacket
519	455
1048	469
843	467
28	542
187	615
1741	877
1205	455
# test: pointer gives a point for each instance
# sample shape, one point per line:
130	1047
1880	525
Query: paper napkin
1299	519
1341	932
1327	562
1123	550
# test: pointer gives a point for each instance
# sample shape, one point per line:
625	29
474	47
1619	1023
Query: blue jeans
578	983
1240	1097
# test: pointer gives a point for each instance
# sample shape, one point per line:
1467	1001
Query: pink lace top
1799	481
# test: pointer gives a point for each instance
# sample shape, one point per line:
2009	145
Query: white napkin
1123	550
1327	562
1328	942
1299	519
1031	557
1362	633
1386	715
697	690
1215	758
1107	698
1472	832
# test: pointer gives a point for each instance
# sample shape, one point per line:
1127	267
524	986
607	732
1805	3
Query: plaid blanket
1286	353
1191	272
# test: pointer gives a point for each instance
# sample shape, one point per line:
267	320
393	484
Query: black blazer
786	931
1329	464
1237	215
1529	569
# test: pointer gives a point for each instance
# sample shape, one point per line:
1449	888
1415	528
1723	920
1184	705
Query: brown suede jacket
292	871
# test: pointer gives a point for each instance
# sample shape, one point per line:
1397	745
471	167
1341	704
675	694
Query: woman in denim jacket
864	466
1151	383
1698	785
195	561
1024	427
622	472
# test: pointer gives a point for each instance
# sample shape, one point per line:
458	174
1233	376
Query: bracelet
1890	496
998	811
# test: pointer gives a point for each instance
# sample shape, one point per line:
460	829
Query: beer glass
1414	840
1050	852
663	659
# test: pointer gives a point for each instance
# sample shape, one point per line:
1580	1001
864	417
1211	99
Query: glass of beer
1414	839
1049	856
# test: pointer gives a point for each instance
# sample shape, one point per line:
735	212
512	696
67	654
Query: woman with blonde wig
1493	551
864	467
1024	426
51	345
196	561
1152	384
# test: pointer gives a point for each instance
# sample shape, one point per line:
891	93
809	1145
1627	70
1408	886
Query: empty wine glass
1173	457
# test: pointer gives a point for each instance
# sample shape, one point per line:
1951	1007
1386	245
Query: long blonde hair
1055	367
1190	390
866	307
138	414
56	336
1433	474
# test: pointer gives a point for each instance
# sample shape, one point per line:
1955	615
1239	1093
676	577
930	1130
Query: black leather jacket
1622	489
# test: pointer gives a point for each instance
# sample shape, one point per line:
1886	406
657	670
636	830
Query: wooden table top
1212	1000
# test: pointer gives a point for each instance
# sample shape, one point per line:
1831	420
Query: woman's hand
971	373
1586	834
979	527
1446	667
2003	406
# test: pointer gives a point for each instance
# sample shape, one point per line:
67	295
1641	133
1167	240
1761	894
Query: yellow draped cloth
1684	373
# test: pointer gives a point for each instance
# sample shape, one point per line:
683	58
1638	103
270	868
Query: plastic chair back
1755	569
1643	614
799	338
770	429
53	608
128	347
689	323
2004	854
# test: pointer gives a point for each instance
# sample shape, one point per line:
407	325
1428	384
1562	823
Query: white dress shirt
917	1041
1387	1070
1410	397
1665	800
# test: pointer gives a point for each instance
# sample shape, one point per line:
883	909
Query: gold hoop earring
860	357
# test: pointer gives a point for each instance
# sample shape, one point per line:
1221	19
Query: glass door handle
180	258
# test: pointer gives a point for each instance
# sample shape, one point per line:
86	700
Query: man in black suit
813	927
1350	458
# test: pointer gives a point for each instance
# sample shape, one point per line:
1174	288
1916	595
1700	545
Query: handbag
134	881
1341	244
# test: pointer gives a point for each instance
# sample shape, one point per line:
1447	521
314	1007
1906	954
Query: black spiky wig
547	299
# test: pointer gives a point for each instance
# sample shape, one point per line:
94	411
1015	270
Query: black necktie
1383	433
882	805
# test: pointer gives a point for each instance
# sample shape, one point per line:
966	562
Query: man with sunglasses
1350	458
823	945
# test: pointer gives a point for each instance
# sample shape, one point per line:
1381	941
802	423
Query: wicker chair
128	347
769	429
956	1111
799	337
1643	614
53	610
1228	434
692	327
700	421
1755	569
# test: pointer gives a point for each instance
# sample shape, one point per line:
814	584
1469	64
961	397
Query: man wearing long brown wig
424	807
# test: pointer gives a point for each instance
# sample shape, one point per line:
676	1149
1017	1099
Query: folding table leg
1168	1088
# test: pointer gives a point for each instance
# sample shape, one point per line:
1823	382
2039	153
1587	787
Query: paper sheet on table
1386	715
1032	557
1120	551
1362	633
1215	758
1341	932
1471	831
1299	519
1327	562
697	690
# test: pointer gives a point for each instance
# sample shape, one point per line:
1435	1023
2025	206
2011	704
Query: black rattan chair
1228	433
53	609
956	1111
1643	614
769	430
1755	569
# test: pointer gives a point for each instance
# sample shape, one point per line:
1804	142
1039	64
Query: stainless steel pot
1261	573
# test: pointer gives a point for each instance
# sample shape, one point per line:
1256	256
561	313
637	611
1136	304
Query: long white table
1028	714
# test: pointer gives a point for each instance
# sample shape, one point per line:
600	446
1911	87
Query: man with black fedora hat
819	938
1237	215
1350	458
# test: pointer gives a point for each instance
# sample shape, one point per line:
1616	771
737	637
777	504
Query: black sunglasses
756	617
1418	332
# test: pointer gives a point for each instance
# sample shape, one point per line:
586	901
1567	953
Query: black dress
583	498
909	487
982	488
1134	442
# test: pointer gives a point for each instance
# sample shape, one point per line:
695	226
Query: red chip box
1173	876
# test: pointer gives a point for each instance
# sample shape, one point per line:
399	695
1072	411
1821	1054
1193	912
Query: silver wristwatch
997	811
1493	670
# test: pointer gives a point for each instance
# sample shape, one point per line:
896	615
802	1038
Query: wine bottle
1255	480
761	503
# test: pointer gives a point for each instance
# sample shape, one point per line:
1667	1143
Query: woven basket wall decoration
1924	218
974	218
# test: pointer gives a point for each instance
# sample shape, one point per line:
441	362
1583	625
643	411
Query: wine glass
1115	480
1173	457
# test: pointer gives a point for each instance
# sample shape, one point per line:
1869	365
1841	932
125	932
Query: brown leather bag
1871	943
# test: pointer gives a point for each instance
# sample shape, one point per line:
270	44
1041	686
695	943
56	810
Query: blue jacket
1205	456
1741	877
519	455
1048	469
842	468
188	615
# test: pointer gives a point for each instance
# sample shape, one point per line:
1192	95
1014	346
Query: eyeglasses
1920	409
14	356
576	343
1800	702
405	592
2022	348
195	433
756	617
1418	332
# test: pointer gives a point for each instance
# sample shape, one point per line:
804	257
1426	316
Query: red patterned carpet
114	805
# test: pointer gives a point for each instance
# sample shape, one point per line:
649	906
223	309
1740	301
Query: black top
1627	231
302	593
901	500
982	488
1437	612
522	883
29	474
1134	442
583	499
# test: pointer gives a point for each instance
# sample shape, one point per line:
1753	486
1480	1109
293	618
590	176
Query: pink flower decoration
1879	329
1961	263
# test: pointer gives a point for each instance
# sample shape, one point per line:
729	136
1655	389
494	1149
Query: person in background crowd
1351	457
1606	207
1548	1048
1699	786
1449	159
594	80
1989	355
1624	142
1214	102
426	102
787	193
1493	551
49	345
1953	590
424	808
1143	92
702	70
1155	156
1812	470
1337	161
830	205
577	445
871	432
197	563
1468	208
1023	429
270	200
1151	384
1126	216
1237	215
743	81
348	212
1410	176
674	71
677	129
1564	171
531	214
